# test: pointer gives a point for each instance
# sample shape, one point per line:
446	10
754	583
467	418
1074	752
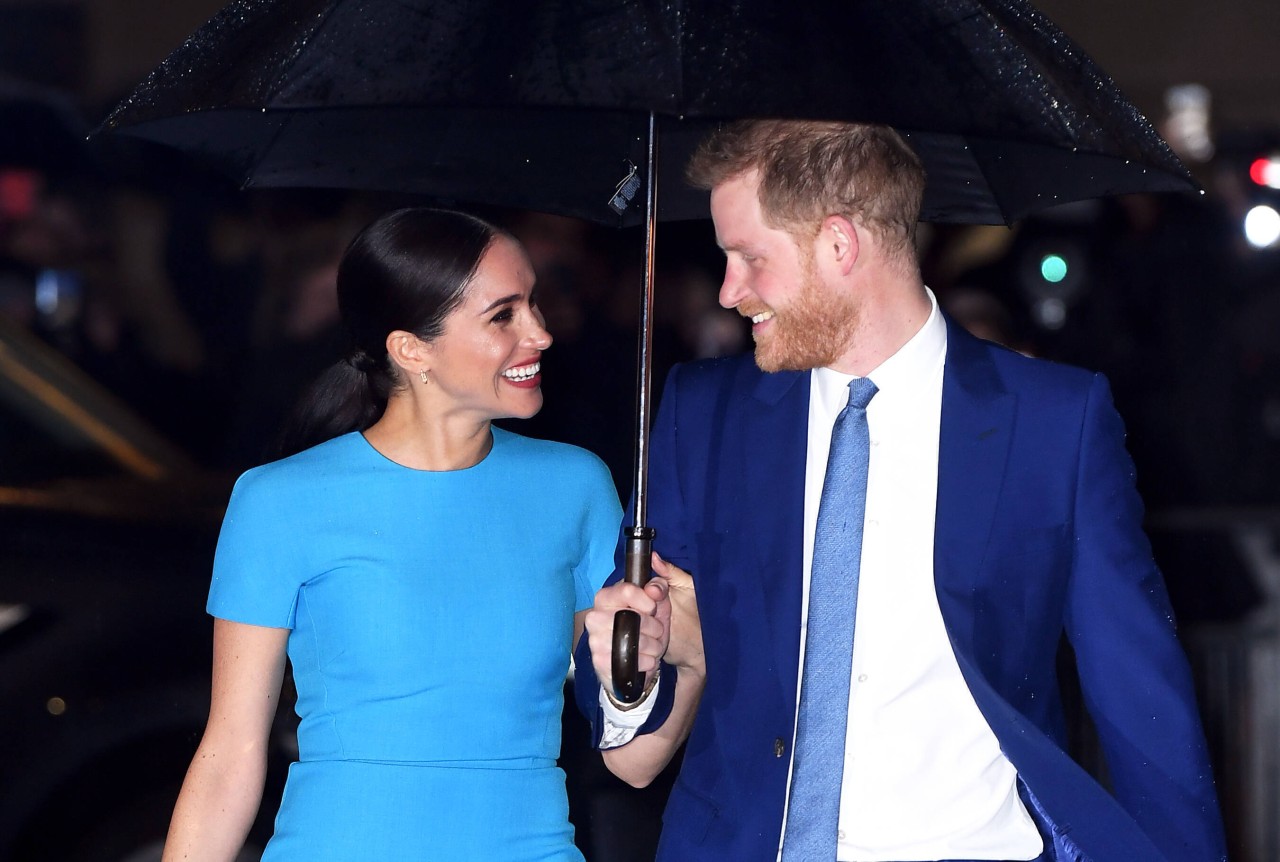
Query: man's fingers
651	602
624	596
651	644
600	624
657	588
675	576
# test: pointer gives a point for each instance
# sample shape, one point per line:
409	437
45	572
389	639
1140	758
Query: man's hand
671	631
654	607
669	622
684	648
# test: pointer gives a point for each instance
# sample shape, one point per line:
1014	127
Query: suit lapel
775	440
973	451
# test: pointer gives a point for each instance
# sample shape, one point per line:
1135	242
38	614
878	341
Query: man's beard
813	332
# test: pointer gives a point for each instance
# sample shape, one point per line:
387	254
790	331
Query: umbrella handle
628	682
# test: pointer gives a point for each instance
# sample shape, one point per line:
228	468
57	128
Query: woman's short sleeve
601	522
259	566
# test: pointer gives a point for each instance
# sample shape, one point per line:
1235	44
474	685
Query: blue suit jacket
1038	531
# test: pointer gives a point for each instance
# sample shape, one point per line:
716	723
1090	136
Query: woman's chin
533	404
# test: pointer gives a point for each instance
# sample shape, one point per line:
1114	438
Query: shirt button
862	677
779	748
840	834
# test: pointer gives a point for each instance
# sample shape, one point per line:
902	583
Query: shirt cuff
620	726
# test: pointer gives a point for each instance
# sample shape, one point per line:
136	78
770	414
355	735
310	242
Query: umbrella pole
628	682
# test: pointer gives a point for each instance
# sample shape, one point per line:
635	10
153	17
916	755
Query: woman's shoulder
564	458
303	470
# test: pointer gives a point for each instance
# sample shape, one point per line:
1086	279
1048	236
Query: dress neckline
498	436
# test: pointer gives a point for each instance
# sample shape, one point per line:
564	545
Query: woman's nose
538	337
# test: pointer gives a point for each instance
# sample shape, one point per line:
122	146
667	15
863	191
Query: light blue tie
813	812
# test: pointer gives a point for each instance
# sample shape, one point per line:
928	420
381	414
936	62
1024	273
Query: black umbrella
544	105
559	106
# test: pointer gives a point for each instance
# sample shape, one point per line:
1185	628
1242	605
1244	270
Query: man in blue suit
1000	514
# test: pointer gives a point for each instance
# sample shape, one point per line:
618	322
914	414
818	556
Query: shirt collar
911	367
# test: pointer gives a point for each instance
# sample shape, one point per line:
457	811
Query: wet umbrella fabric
545	105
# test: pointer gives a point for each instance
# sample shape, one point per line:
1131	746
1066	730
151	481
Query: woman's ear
408	351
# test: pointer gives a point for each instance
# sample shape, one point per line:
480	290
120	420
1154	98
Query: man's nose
732	289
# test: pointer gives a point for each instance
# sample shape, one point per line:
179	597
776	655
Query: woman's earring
423	374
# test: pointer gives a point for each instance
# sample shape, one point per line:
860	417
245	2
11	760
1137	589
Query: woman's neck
435	443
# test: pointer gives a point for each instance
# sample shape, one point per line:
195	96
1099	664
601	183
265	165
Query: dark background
205	310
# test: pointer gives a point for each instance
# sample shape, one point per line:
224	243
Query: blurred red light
1265	171
19	190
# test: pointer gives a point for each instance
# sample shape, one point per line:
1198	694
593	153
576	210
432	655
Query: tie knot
861	389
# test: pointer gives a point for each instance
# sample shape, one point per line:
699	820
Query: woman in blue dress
382	559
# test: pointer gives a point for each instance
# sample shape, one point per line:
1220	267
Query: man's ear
840	242
409	351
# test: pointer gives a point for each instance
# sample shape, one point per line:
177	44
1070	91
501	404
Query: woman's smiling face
488	358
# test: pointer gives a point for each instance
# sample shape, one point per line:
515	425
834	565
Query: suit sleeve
665	505
1134	675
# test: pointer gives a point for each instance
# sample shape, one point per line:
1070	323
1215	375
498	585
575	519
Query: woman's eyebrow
506	299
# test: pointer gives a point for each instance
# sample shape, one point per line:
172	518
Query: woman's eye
503	316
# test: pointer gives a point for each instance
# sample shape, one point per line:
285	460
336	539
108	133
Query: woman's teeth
524	372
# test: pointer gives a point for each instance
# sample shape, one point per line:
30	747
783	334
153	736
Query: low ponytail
349	395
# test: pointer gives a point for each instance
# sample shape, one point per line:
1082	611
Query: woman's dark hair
408	270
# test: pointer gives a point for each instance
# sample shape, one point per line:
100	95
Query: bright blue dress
431	616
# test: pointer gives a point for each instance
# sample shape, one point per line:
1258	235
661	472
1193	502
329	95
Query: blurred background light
1052	271
1053	268
1265	171
1186	127
1262	226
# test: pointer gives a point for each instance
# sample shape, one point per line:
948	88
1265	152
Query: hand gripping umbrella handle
628	682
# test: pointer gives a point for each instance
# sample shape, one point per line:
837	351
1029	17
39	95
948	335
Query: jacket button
779	748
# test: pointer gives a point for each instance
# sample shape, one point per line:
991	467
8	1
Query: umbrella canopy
545	105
